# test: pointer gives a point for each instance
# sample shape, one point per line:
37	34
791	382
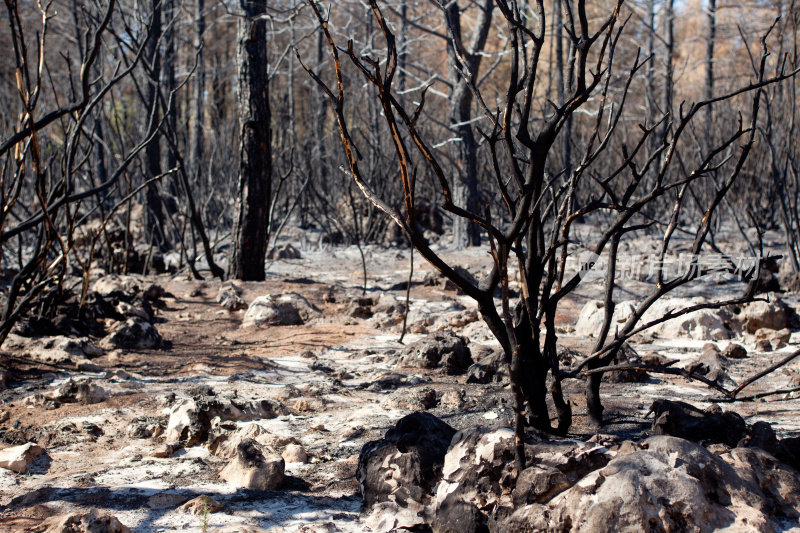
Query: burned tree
250	233
531	225
47	190
463	63
154	217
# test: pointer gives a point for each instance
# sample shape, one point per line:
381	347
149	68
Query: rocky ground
200	405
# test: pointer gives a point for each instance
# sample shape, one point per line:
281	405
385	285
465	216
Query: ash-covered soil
336	380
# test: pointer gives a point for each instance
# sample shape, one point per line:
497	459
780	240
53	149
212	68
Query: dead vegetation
313	396
211	316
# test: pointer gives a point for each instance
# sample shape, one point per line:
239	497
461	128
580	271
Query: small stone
225	437
710	347
389	305
91	350
628	447
142	428
480	374
41	400
93	521
82	391
712	365
279	310
790	282
19	458
128	310
301	405
201	505
442	349
452	399
683	420
567	357
251	469
655	359
134	334
190	418
539	484
359	311
196	292
329	296
735	351
92	429
352	433
418	328
154	292
763	346
229	297
777	339
166	450
287	251
294	453
465	317
718	448
760	314
414	399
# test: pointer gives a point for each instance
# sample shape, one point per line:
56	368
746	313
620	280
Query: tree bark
669	40
465	61
251	234
170	58
153	211
198	97
402	48
321	113
561	84
709	85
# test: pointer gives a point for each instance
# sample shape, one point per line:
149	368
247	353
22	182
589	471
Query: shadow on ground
157	510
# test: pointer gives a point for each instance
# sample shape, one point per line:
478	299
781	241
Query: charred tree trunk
298	191
594	406
465	181
463	64
532	371
170	58
153	210
561	83
650	103
322	170
99	160
669	43
402	53
250	234
198	97
709	85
